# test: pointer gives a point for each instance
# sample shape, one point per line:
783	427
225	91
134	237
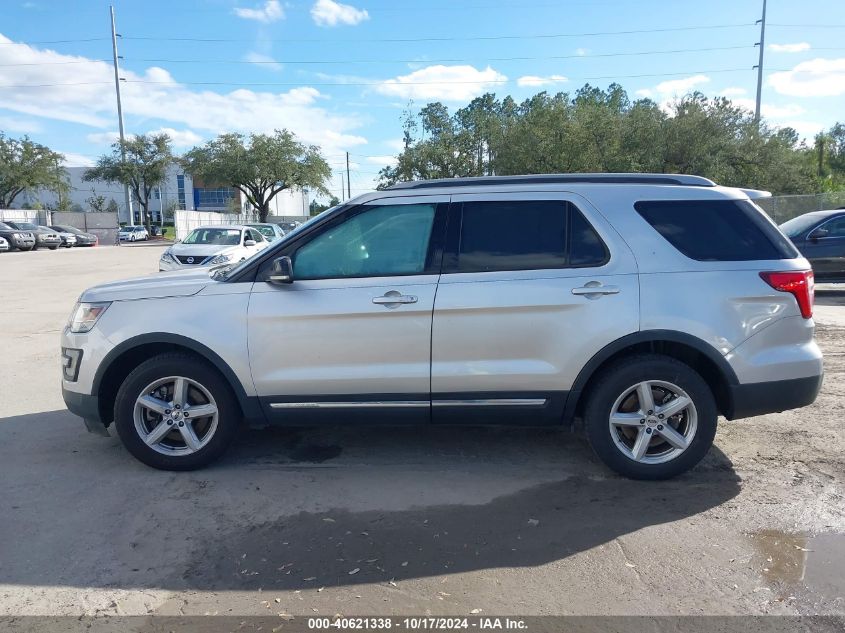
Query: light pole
120	114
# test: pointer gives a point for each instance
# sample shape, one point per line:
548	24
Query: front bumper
86	407
758	398
24	242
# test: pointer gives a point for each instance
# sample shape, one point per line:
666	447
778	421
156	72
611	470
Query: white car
4	245
213	246
133	234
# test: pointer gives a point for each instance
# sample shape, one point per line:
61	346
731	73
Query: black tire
615	381
52	248
196	369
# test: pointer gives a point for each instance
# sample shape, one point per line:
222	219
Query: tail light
799	284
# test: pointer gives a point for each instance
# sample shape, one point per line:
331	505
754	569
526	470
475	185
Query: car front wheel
650	417
176	412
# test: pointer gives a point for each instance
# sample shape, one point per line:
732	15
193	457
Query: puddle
792	562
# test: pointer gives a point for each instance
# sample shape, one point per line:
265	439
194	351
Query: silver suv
644	305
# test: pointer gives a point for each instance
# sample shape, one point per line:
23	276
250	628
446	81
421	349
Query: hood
180	283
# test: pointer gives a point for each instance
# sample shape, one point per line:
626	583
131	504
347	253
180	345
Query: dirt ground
399	521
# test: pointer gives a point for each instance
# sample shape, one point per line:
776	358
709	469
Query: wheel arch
693	351
121	360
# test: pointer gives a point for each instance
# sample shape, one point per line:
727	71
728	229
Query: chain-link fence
783	208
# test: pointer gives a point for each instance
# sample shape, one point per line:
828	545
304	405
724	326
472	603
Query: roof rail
553	179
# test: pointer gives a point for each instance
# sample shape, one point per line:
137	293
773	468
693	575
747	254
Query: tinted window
586	247
803	223
379	241
717	230
836	228
525	235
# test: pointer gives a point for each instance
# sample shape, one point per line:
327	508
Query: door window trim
819	226
455	224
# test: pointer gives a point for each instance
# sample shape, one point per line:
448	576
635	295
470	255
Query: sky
340	75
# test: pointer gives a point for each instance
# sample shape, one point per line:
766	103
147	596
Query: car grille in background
195	259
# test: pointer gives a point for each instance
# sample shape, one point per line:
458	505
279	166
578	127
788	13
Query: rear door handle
595	288
393	297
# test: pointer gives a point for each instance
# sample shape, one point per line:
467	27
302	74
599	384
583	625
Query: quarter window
717	230
526	235
379	241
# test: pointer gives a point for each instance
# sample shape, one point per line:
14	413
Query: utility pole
342	188
120	114
759	66
348	183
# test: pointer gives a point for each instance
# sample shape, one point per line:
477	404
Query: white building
178	191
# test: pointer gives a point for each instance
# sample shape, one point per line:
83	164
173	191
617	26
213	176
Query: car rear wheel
54	247
650	417
175	412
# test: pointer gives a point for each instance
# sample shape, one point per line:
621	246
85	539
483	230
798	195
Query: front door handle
595	289
393	297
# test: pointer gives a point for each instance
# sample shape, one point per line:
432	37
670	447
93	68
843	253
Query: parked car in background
68	239
213	246
17	239
271	232
4	245
82	238
645	305
820	236
287	227
133	234
45	237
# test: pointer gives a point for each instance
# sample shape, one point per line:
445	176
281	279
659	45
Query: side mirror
818	233
249	242
282	272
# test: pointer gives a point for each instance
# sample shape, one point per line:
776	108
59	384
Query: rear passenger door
533	285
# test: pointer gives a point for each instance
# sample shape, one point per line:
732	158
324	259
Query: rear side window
525	235
716	230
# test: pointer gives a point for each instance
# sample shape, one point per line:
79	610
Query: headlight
85	316
221	259
166	256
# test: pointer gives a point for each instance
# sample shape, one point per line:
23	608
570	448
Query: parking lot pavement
403	520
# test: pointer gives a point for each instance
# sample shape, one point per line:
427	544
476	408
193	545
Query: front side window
379	241
526	235
835	228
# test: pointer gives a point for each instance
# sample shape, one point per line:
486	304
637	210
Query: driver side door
350	338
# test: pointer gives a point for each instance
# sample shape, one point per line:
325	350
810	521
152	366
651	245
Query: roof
602	178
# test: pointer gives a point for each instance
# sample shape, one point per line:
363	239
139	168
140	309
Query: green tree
260	166
140	162
316	207
26	166
112	206
97	203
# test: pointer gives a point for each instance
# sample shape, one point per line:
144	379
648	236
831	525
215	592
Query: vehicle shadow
298	509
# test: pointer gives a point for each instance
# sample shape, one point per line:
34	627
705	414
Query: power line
88	39
462	38
435	61
389	82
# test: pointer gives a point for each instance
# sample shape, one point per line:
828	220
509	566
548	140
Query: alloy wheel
175	416
653	422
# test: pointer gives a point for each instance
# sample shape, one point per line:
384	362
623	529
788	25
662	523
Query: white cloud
87	98
534	80
102	138
770	111
330	13
73	159
681	87
397	144
381	161
19	124
807	130
264	61
789	48
646	93
732	92
271	12
581	52
179	138
814	78
443	83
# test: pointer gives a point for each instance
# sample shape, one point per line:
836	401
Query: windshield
218	237
27	226
5	226
797	226
266	231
